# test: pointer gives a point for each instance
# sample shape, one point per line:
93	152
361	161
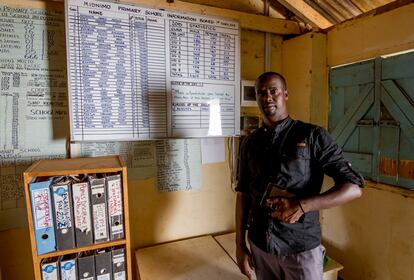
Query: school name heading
156	13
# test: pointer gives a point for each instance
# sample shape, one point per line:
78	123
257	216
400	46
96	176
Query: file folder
115	207
103	265
82	214
86	266
99	210
42	215
50	269
62	206
118	264
68	269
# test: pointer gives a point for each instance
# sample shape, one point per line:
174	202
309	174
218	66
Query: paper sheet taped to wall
139	156
176	163
138	73
33	100
33	97
179	164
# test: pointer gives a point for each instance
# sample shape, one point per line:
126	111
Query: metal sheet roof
313	15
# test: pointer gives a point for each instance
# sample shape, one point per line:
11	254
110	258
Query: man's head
271	97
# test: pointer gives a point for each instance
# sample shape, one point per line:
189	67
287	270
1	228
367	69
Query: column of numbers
195	53
227	56
211	54
75	72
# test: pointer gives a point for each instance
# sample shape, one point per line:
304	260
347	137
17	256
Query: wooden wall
372	236
305	70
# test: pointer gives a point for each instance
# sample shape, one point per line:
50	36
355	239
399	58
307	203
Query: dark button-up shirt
293	156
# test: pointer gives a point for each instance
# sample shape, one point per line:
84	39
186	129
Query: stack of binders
70	212
108	264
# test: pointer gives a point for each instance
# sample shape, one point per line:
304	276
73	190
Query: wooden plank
36	263
83	249
398	67
330	270
377	117
406	172
228	243
345	127
337	106
354	74
407	183
400	99
197	258
361	162
398	115
246	20
125	194
60	167
392	189
305	11
388	167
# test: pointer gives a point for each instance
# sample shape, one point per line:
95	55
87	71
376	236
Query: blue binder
40	198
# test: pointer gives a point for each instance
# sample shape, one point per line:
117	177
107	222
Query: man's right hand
244	261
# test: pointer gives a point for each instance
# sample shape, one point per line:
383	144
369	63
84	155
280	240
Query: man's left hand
285	209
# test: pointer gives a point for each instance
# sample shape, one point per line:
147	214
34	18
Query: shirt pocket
294	165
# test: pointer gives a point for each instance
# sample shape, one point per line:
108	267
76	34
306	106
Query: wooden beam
304	10
246	20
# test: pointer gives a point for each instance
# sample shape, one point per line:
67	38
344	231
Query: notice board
139	73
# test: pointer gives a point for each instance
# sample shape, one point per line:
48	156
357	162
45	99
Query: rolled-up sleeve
332	160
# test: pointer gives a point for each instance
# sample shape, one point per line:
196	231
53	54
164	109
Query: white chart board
139	73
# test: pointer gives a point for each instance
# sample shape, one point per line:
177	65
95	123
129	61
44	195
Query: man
281	169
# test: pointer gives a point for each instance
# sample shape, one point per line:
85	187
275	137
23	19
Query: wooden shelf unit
61	167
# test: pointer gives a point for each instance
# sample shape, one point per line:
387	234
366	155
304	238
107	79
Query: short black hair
266	75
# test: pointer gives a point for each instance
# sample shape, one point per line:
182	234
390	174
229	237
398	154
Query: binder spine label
41	201
104	277
81	206
63	217
100	220
119	275
118	259
114	198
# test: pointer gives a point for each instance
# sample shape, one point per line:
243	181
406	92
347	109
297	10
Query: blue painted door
372	117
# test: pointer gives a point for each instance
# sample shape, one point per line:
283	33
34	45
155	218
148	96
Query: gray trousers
307	265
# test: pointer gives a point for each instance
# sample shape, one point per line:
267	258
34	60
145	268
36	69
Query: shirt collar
278	128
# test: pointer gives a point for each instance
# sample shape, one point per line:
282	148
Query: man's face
271	97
